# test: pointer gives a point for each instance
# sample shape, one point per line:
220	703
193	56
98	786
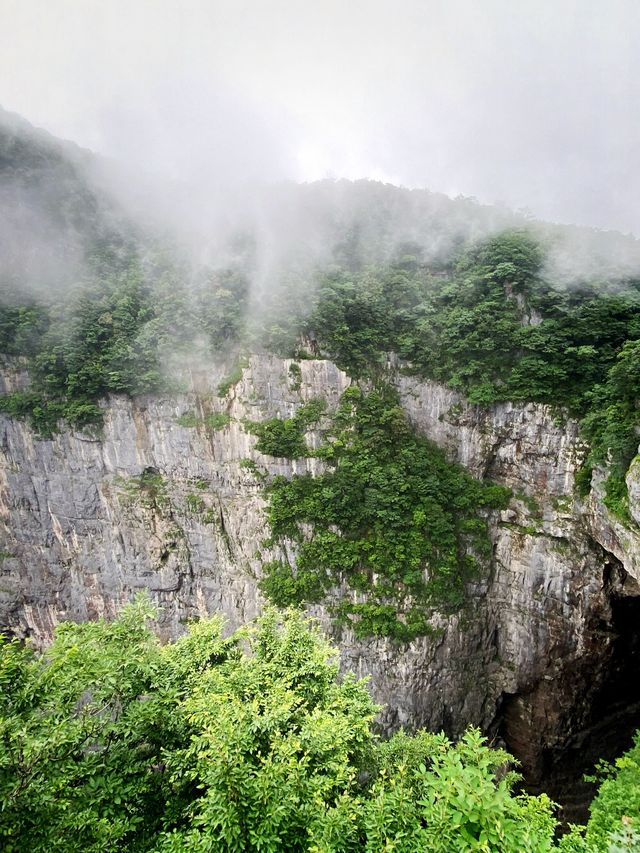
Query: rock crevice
178	510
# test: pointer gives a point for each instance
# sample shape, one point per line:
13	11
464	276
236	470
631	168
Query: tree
110	741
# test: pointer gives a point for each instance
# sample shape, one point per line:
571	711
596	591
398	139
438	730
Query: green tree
81	728
110	741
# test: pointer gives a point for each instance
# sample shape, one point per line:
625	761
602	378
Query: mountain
53	217
376	402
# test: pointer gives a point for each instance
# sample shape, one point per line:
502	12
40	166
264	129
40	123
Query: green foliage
21	328
455	801
107	336
295	376
247	464
45	414
583	479
390	518
616	495
616	808
125	328
149	489
351	322
611	425
77	743
195	504
233	377
284	438
493	329
250	743
217	420
278	739
189	420
221	302
213	420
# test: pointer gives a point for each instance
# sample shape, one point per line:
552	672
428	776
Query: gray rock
81	532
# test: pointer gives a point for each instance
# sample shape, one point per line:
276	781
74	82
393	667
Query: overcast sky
532	103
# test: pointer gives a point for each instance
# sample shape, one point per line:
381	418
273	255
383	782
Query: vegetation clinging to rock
390	518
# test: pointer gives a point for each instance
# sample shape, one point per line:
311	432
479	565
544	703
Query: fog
530	104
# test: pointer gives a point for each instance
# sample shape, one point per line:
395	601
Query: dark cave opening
602	722
613	717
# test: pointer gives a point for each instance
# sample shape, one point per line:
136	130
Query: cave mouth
606	716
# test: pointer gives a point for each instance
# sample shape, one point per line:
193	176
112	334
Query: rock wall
162	500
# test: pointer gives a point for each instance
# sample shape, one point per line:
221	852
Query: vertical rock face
165	499
150	504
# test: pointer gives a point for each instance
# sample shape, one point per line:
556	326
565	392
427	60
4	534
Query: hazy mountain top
58	202
52	216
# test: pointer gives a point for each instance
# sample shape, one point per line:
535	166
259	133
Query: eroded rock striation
165	499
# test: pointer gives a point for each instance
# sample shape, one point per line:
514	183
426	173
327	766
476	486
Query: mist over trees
97	302
111	741
252	182
475	297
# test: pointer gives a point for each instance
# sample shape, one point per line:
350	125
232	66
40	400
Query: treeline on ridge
486	323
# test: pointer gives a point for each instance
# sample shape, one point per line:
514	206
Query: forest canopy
111	741
485	322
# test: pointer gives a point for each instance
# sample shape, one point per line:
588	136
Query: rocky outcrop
620	538
633	487
148	504
169	498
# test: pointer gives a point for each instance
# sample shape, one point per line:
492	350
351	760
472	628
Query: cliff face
176	509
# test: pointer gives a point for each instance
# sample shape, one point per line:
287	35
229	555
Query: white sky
534	103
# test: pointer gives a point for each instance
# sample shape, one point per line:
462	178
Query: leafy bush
213	420
295	376
391	518
284	438
112	742
233	377
189	420
217	420
616	808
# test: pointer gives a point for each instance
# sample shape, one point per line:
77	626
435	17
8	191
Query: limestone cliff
164	499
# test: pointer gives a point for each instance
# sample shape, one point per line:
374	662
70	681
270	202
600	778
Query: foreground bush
110	741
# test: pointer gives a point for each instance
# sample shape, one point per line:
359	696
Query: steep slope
124	468
538	656
54	219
